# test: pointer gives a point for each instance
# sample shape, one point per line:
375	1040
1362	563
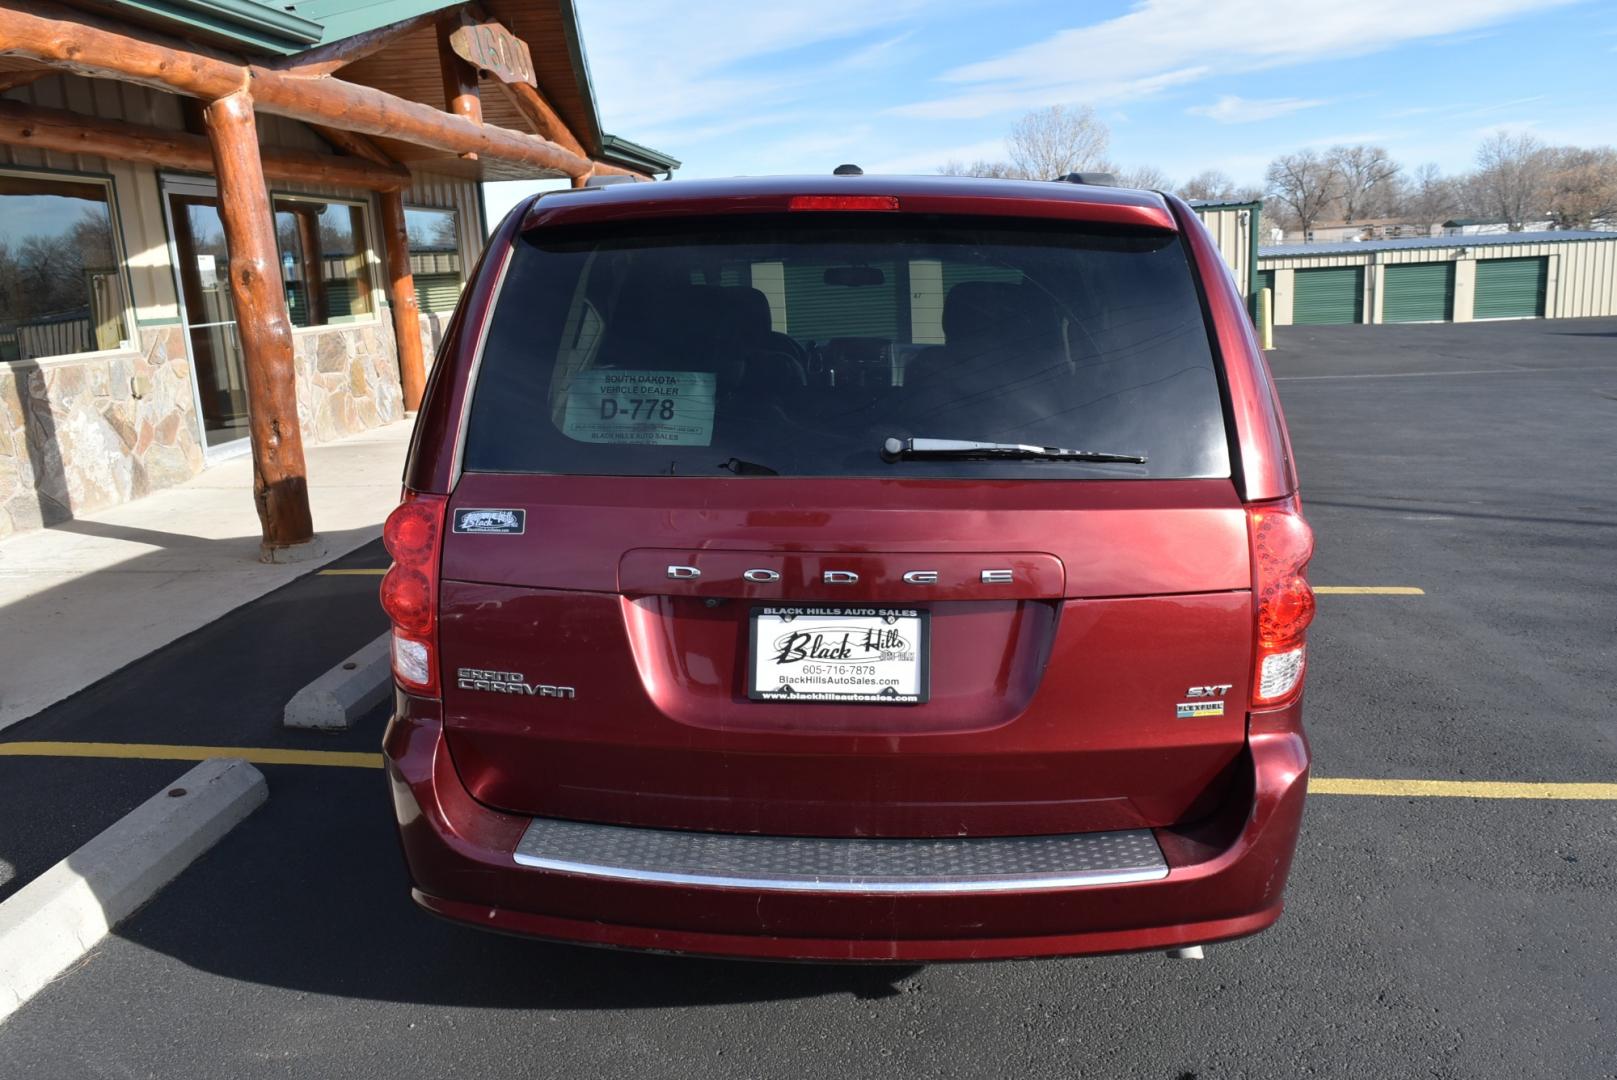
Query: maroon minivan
851	568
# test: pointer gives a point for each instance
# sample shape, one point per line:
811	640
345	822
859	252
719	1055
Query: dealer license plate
839	654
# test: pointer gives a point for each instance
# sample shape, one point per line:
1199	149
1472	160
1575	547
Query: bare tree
1581	187
1209	184
1364	175
999	170
1055	141
1148	177
1511	181
1429	197
1304	184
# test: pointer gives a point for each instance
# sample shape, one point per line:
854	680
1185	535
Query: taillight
842	202
413	535
1282	544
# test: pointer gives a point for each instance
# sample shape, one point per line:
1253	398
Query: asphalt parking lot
1424	937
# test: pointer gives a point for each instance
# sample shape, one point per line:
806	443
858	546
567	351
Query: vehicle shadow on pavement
310	894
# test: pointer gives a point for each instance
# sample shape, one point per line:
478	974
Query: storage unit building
1443	279
1234	226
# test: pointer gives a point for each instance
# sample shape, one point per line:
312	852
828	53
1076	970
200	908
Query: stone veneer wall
80	435
348	380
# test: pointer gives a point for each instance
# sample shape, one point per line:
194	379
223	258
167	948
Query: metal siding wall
278	131
1232	240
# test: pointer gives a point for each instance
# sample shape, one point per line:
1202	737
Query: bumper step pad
836	865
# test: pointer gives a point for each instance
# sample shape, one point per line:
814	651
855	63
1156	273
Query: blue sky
903	86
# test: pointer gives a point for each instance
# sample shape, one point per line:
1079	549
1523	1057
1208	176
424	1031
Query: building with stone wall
121	362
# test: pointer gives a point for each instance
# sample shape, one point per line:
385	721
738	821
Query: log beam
280	478
539	112
355	145
328	59
405	305
73	40
10	80
75	133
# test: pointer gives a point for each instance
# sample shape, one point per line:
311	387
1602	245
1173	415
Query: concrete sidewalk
82	599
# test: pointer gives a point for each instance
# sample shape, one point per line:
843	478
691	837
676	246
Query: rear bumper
1225	879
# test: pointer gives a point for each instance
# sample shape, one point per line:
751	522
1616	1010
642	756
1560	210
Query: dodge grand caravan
851	568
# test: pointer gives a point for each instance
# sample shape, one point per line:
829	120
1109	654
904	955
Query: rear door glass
797	345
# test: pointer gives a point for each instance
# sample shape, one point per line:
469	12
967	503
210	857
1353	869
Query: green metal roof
632	155
345	18
280	29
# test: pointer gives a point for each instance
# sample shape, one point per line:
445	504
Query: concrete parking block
61	915
339	697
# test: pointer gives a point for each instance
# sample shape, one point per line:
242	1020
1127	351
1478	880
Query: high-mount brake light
413	535
1282	544
843	202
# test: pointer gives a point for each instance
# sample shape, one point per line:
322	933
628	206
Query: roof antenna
847	170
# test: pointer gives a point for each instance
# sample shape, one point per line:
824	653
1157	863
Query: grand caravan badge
490	521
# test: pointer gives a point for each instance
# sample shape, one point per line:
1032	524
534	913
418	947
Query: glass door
202	267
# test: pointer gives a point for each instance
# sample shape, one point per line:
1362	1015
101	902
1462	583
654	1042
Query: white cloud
1231	109
878	53
661	66
1130	56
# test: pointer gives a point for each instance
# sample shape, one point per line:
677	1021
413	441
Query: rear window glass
797	346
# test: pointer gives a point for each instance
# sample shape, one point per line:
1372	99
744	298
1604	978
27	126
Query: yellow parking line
1368	590
160	752
370	571
1460	789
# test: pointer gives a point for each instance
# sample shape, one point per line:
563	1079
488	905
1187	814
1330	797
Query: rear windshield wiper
895	449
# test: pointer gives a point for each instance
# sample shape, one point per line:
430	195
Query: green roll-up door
1511	288
1327	296
1419	292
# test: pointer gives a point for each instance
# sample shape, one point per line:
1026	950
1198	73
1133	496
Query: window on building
61	282
325	260
434	256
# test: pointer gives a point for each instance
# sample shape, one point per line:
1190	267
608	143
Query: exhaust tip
1189	952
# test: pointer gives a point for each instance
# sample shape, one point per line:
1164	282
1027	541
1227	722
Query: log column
461	95
313	260
406	307
280	480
